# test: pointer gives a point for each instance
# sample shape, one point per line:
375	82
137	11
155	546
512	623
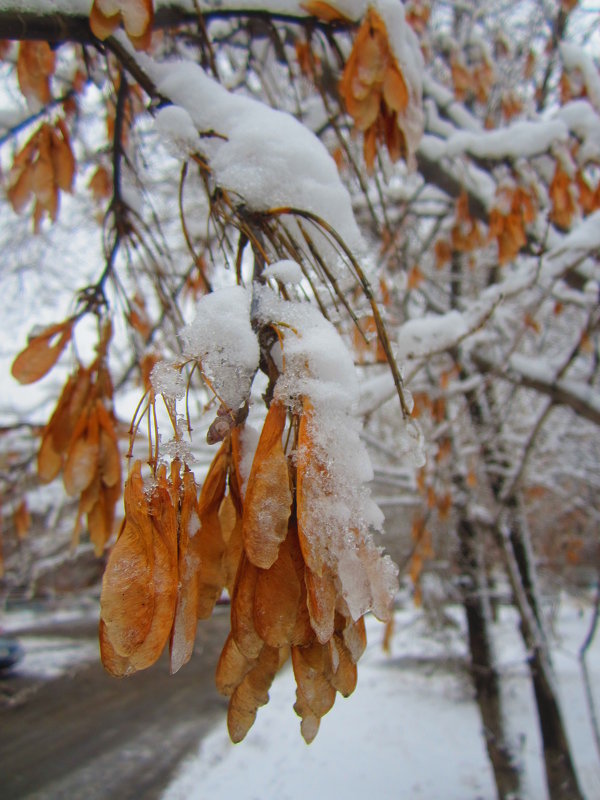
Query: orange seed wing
232	668
252	693
276	600
42	353
127	597
164	543
268	500
183	634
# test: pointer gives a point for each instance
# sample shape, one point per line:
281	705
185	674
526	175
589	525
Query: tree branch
560	392
59	27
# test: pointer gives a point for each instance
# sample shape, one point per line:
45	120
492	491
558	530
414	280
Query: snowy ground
411	729
49	656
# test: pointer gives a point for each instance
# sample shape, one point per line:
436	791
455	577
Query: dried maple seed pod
268	501
208	545
374	90
127	597
42	352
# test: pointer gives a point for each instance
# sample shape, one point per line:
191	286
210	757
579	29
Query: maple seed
374	91
268	499
137	17
42	353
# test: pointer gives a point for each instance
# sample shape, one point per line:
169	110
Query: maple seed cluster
137	17
80	440
42	169
374	90
176	553
516	209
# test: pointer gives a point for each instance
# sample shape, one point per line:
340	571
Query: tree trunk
485	677
560	770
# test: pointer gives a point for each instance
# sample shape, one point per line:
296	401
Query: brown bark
485	676
560	770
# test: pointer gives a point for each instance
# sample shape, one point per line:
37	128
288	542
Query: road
87	736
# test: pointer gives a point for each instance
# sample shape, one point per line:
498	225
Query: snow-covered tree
281	219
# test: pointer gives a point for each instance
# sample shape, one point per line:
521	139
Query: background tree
456	239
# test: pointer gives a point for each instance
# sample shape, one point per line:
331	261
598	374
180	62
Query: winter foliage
350	248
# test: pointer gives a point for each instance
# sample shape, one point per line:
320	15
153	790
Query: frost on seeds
178	448
221	339
167	380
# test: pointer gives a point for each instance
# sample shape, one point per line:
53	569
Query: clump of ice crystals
221	339
166	379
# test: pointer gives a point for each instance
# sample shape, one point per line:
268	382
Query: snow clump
222	340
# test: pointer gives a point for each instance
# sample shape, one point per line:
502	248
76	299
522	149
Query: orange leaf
49	460
444	505
138	16
345	675
100	184
313	672
395	92
118	666
109	460
208	545
563	204
309	474
19	192
461	78
82	459
100	520
374	90
35	66
230	520
42	353
414	278
443	253
22	519
63	161
355	639
103	25
309	727
370	148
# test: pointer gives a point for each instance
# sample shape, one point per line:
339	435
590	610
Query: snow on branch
533	373
522	139
265	157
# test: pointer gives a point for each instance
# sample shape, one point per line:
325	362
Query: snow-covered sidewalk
410	730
